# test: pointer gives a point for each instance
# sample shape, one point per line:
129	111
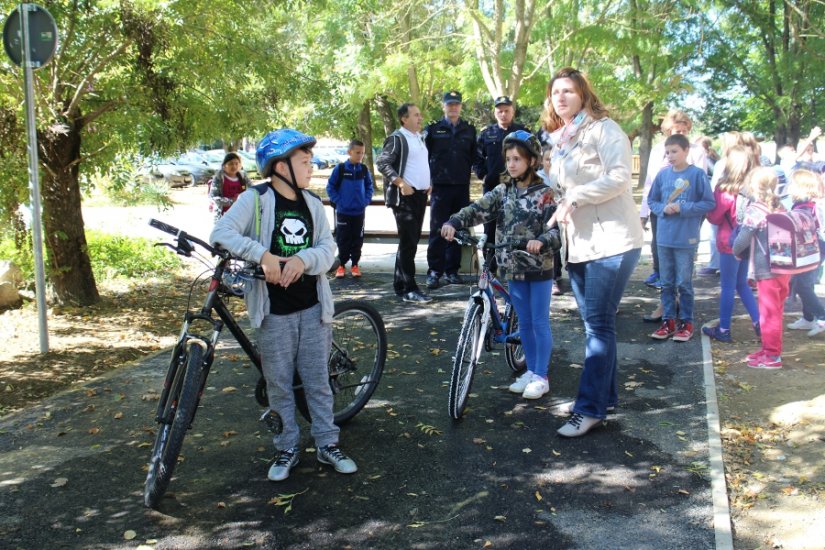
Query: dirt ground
773	434
773	422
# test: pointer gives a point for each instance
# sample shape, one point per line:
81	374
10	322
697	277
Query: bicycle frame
489	287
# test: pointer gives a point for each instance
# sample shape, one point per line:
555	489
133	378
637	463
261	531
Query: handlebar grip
165	227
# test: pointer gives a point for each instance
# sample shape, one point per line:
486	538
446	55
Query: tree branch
81	88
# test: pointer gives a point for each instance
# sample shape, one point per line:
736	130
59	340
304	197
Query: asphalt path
72	467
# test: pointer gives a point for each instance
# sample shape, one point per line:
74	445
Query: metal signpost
30	40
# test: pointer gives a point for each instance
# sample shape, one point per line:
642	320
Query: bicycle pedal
273	421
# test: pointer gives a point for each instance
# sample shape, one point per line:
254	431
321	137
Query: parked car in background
319	163
328	155
198	166
172	174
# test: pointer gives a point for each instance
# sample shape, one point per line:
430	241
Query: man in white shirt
406	170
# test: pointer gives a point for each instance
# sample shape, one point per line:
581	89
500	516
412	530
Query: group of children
745	196
281	225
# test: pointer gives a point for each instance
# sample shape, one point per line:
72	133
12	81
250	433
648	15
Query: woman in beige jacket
601	234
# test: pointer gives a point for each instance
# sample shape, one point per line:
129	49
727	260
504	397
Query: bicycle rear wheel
179	411
514	352
356	360
468	351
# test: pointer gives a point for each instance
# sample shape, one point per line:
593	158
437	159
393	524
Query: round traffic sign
42	36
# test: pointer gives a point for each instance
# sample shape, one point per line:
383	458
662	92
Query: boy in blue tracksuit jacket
350	190
680	197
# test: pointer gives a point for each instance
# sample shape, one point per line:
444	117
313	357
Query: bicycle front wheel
466	358
356	360
513	351
179	411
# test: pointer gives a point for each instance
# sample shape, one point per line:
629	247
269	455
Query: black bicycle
356	362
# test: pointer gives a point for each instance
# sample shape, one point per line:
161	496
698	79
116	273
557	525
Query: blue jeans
532	302
598	286
733	277
803	285
676	274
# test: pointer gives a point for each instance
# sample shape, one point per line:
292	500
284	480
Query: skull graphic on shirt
294	231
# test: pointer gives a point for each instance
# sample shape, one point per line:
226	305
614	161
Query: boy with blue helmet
282	226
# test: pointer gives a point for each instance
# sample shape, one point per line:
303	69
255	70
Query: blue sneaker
715	333
652	280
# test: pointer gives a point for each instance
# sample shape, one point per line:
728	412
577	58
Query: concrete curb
719	492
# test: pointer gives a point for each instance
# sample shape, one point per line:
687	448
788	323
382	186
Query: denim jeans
532	302
676	275
598	286
803	285
733	277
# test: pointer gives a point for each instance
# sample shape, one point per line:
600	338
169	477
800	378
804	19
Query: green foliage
112	256
22	257
116	256
125	185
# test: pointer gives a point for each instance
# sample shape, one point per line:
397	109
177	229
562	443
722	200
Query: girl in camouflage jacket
522	206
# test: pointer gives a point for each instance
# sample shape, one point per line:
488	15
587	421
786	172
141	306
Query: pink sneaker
766	361
755	355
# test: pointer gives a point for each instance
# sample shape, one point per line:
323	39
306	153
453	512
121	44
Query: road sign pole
34	182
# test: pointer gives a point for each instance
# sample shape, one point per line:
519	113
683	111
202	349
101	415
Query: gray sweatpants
298	341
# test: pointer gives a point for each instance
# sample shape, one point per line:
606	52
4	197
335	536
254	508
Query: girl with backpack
733	273
806	191
773	287
227	184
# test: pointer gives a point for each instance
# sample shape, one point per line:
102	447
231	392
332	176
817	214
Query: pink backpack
792	242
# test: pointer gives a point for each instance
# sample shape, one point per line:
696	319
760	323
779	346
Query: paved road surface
72	467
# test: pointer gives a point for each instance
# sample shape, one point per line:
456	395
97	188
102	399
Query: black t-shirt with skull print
293	233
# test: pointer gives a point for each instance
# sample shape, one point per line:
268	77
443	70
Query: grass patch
112	257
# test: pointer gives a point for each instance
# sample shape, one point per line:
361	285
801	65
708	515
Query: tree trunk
365	135
69	267
386	113
645	141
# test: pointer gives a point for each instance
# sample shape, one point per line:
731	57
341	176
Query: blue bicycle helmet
277	145
525	139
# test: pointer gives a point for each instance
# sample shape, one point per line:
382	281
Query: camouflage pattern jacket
521	215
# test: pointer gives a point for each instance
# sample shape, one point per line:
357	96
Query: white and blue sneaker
335	457
284	461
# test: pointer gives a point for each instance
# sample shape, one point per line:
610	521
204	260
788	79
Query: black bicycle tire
344	410
459	393
514	353
169	439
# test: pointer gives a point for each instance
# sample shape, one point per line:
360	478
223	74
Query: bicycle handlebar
184	237
463	237
186	249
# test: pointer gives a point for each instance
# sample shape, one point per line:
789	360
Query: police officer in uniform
489	160
451	147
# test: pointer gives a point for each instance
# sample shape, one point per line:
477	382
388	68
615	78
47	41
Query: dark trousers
445	200
409	217
654	248
349	235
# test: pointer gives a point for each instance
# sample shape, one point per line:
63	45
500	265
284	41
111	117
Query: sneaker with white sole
537	387
284	461
335	457
802	324
578	425
818	327
521	382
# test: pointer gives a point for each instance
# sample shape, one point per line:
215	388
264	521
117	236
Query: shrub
112	256
115	256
